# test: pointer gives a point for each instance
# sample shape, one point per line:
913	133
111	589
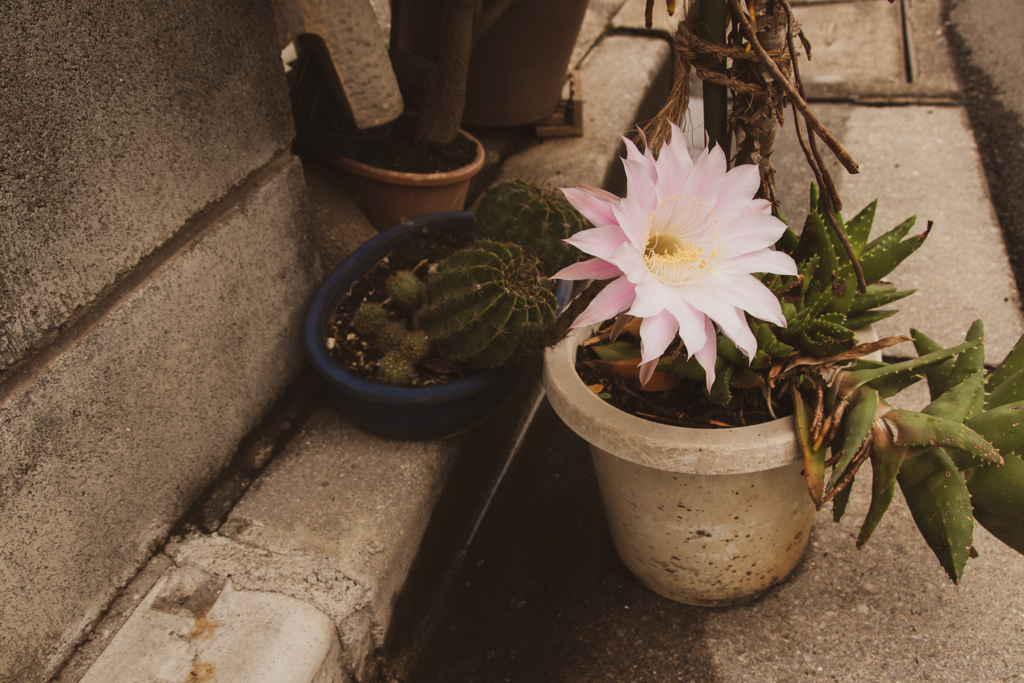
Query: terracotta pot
517	68
391	197
702	517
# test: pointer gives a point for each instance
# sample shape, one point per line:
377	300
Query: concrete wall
156	259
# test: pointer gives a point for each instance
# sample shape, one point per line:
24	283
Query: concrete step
341	520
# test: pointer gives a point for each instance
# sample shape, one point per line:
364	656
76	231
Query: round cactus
405	289
483	301
369	319
532	217
390	336
395	370
415	346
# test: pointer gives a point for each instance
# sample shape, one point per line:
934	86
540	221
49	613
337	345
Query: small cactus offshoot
395	369
390	336
534	218
405	289
369	319
482	302
414	346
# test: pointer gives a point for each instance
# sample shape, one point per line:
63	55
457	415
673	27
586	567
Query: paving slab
339	226
993	34
923	161
595	22
631	17
196	627
886	612
857	48
859	52
544	599
625	79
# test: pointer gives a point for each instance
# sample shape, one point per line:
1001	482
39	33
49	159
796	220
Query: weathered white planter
703	517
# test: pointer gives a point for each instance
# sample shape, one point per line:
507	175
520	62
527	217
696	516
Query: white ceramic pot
703	517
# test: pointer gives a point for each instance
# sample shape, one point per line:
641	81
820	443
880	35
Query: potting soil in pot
357	354
403	154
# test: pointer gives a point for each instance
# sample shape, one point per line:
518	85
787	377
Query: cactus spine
482	302
369	319
395	369
536	219
405	289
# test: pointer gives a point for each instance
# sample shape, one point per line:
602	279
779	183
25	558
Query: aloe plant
958	460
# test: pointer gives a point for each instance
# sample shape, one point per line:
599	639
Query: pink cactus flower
682	246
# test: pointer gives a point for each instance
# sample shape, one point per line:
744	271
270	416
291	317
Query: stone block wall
156	259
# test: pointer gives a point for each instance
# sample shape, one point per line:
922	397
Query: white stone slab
245	637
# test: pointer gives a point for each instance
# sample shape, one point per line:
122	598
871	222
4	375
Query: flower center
675	261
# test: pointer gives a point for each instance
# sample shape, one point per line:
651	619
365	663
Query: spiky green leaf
1011	365
941	506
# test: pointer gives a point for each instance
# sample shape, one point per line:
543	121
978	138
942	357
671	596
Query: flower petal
599	242
741	184
680	151
612	300
692	324
706	180
656	333
594	204
652	297
594	269
750	232
749	294
640	184
647	371
645	159
761	261
758	206
632	219
707	355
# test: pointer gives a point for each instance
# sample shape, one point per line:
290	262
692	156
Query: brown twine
707	59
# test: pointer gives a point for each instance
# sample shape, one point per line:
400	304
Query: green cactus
482	302
369	319
390	336
395	369
405	289
532	217
414	346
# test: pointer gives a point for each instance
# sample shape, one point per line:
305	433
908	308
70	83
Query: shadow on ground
541	595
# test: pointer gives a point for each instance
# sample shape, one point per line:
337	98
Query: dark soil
685	406
405	155
356	353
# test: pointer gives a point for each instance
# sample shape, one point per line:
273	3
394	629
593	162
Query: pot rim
413	179
676	449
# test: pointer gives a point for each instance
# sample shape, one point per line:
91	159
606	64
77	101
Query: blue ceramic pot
402	412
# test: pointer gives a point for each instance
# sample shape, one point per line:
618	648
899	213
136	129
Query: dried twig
748	29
